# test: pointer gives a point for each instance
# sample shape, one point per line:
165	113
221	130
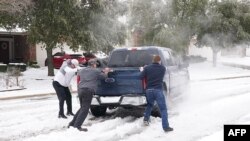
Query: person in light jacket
86	89
61	85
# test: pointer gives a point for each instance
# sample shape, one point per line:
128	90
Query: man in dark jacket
154	74
86	89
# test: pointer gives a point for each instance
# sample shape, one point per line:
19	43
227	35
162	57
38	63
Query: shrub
3	67
20	66
32	63
34	66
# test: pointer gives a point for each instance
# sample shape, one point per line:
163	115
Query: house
14	47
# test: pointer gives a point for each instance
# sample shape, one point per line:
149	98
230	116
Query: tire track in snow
33	115
222	89
116	129
120	125
119	128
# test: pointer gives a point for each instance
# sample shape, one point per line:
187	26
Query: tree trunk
50	63
215	52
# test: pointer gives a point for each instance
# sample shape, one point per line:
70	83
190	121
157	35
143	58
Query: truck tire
98	111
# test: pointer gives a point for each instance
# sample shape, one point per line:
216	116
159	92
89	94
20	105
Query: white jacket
65	78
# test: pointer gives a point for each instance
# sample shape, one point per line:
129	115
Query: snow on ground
217	96
207	72
236	60
35	81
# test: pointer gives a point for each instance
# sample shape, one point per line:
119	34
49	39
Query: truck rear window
131	58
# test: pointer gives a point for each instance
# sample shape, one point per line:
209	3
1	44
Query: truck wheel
98	111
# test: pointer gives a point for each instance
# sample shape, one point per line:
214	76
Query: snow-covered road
208	106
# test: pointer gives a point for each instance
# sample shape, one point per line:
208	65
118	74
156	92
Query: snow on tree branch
14	6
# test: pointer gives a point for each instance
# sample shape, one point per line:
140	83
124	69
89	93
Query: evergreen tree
166	23
85	24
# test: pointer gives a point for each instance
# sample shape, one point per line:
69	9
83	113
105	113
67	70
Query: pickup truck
125	88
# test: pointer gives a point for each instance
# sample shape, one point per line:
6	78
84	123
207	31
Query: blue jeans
153	95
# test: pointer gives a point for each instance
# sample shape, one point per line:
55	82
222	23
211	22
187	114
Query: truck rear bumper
126	100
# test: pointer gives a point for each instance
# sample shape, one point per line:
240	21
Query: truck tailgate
123	81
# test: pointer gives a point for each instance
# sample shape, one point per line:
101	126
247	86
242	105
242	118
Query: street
209	104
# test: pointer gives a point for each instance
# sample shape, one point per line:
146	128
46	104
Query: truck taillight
144	83
133	49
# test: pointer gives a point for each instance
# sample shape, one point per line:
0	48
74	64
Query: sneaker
168	129
82	129
70	114
145	122
62	116
70	124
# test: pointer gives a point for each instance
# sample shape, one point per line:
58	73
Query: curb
26	96
236	65
222	78
12	89
32	95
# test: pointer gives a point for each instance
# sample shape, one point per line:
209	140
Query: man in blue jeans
154	74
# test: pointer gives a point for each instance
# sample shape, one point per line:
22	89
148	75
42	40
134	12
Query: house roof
15	31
